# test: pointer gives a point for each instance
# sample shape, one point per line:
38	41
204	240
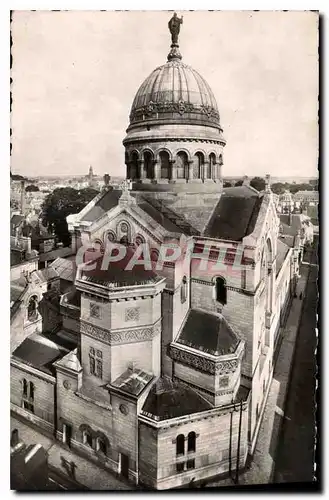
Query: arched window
124	240
164	164
198	165
139	240
148	165
87	438
101	445
111	236
31	391
212	166
180	445
191	442
183	290
220	290
133	170
182	165
24	387
32	309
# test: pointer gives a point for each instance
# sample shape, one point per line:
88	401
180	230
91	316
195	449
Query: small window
32	391
180	467
190	464
24	387
87	438
180	445
220	288
191	442
101	446
183	290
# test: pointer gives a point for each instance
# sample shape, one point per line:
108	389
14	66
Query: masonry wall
212	449
148	455
125	429
44	396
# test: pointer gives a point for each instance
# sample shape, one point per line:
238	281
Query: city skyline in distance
71	97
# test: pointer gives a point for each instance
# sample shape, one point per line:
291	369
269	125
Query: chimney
23	204
267	183
246	181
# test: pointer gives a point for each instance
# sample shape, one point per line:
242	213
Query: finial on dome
174	28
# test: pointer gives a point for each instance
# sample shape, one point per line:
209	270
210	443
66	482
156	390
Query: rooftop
133	381
65	268
171	399
118	274
282	250
42	350
208	332
235	214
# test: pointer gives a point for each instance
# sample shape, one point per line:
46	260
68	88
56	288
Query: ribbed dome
175	92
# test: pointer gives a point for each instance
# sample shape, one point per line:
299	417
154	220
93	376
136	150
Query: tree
238	183
278	187
31	188
61	203
227	184
258	183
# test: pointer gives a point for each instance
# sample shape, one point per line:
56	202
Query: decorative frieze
122	336
203	364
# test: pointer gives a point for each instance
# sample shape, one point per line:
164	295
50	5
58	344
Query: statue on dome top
174	28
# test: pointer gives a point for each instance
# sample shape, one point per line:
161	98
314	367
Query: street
295	453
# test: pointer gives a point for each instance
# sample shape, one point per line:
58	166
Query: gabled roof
16	219
235	215
208	332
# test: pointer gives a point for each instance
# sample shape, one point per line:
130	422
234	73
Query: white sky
75	75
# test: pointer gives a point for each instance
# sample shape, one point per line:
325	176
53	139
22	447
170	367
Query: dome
175	92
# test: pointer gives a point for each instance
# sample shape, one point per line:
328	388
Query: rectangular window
96	362
190	464
180	467
28	396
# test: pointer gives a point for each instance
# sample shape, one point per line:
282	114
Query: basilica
159	373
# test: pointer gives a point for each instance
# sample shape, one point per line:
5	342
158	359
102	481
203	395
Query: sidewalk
86	472
262	464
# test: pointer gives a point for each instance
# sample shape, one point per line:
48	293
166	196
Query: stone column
142	174
190	170
156	170
173	171
205	169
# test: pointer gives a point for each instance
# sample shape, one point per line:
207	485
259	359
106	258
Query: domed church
160	373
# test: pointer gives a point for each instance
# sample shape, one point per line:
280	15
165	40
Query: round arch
160	150
32	307
182	163
148	157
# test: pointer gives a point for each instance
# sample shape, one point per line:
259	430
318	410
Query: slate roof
116	274
54	254
17	287
282	250
16	219
208	332
41	351
108	201
171	399
65	268
235	215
